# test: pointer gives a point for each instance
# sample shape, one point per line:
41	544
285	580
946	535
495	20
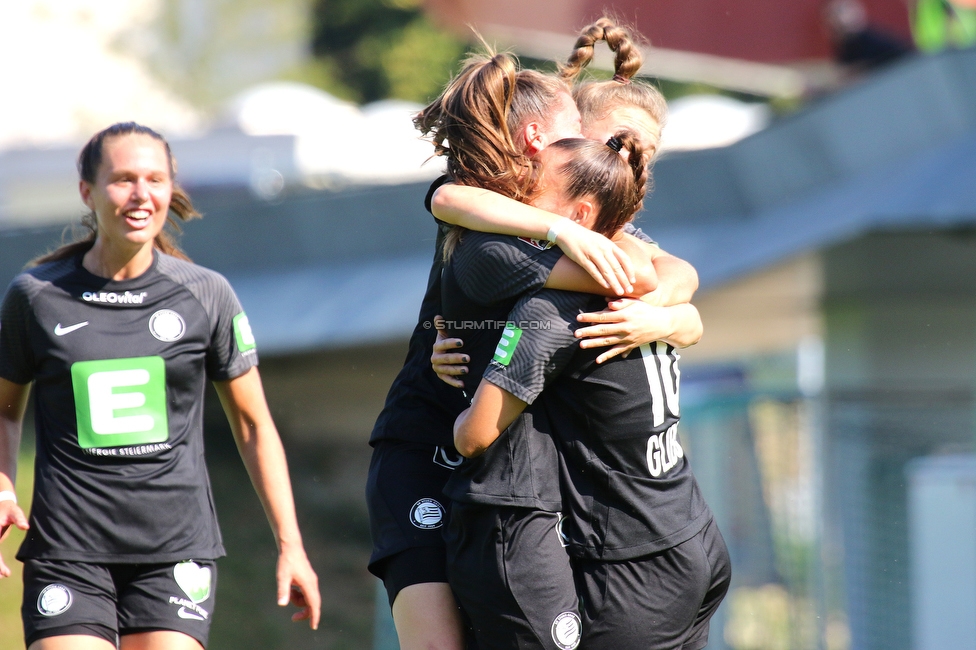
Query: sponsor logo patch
113	298
61	331
506	345
427	514
120	402
194	580
243	334
53	600
166	325
185	613
567	630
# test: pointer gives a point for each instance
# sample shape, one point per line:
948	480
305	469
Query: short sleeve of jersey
233	350
631	229
491	267
537	343
434	186
16	362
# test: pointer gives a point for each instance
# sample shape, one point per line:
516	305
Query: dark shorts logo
53	600
561	530
196	582
167	326
427	514
447	458
567	630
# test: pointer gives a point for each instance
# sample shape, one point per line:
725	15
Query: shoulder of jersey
32	280
186	272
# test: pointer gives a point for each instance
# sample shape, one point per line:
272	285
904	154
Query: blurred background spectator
857	43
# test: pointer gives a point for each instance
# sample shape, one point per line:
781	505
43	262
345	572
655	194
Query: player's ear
585	213
535	138
85	190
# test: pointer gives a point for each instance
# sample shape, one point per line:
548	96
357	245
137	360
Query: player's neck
117	263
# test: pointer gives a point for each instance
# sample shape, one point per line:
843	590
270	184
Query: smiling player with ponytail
119	333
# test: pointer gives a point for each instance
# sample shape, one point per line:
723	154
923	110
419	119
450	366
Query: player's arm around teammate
606	107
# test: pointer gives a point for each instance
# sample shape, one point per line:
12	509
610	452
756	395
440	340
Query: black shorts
407	510
112	600
510	571
662	601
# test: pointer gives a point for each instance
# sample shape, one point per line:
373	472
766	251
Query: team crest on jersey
167	326
447	458
567	630
427	514
54	599
541	244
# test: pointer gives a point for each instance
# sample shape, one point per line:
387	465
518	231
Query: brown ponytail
596	99
598	170
475	123
89	161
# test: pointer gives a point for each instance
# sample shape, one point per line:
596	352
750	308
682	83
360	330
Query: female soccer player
506	560
651	567
118	334
606	107
413	448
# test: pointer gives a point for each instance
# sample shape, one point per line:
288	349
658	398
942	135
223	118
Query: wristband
555	228
7	495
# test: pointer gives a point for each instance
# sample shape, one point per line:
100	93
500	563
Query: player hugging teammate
504	555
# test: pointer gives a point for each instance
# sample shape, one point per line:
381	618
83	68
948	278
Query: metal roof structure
896	151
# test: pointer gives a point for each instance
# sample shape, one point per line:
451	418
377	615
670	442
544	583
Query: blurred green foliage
367	50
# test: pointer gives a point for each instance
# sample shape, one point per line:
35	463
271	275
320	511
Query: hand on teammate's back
625	324
447	362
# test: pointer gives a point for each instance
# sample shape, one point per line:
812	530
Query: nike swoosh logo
61	331
185	613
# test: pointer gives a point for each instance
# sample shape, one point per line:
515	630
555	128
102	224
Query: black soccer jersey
628	487
119	370
481	283
419	406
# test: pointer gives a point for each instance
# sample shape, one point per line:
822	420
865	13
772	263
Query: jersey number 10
663	377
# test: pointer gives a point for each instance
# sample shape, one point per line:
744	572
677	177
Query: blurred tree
938	24
375	49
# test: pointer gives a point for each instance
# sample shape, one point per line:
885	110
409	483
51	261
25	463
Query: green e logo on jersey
120	402
506	344
243	333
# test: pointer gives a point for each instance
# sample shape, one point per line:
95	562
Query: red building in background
767	31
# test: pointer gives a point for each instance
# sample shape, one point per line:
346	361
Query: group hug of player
528	488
